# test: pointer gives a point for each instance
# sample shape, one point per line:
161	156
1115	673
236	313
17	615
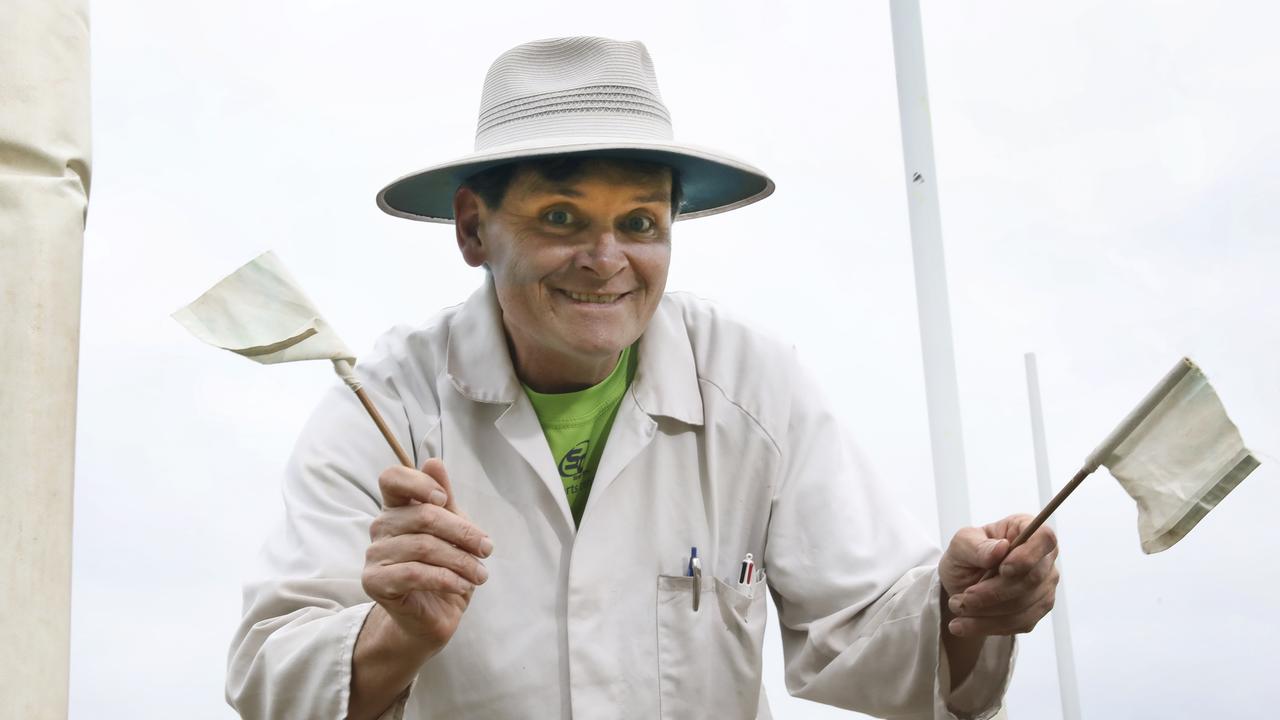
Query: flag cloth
259	312
1177	455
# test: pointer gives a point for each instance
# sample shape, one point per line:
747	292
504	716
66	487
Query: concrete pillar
44	179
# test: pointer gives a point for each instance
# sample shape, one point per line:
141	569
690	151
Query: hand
424	560
1012	601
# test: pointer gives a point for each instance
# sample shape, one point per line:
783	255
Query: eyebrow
566	190
655	196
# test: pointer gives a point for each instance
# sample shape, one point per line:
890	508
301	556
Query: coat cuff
358	615
981	695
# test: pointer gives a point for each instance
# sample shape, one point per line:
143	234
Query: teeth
591	298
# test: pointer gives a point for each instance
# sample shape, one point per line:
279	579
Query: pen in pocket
747	573
695	572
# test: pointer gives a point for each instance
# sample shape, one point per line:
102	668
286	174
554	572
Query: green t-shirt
576	425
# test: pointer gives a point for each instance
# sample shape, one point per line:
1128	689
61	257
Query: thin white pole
44	175
942	390
1067	686
942	393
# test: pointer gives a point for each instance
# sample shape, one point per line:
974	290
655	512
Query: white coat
721	442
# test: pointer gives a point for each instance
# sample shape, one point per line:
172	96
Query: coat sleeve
856	585
291	656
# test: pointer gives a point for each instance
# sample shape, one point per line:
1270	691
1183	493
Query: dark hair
491	184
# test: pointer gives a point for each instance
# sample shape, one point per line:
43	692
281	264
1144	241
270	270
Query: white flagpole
941	388
942	393
1067	686
44	176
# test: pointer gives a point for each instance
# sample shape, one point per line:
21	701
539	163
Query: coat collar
479	361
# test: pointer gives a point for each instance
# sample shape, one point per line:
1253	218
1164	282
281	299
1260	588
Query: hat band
594	111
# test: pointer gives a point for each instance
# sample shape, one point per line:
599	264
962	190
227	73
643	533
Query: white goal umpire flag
1177	455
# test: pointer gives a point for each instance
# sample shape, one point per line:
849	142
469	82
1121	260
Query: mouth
593	298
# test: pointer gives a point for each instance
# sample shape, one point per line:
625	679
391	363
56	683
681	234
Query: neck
551	372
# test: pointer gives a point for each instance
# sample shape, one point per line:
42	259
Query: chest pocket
709	660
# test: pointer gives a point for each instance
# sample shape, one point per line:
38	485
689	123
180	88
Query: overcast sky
1108	184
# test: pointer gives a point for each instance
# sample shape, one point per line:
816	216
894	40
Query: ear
466	224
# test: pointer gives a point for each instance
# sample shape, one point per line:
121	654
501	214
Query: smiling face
579	265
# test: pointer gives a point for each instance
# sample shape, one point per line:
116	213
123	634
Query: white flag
259	312
1177	455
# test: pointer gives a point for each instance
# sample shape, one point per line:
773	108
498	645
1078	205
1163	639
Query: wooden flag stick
343	367
382	426
1040	519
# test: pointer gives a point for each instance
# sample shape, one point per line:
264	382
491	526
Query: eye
639	224
558	217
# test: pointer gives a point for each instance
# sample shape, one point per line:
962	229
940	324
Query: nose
602	255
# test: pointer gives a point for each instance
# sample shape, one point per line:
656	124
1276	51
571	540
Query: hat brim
711	182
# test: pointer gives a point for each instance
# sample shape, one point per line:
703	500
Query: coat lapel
479	367
665	385
632	431
519	426
666	382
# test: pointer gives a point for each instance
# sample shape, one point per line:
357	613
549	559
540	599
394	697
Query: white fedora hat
582	96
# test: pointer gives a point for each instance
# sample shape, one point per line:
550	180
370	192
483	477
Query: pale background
1108	191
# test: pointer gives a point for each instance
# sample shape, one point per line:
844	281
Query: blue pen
695	572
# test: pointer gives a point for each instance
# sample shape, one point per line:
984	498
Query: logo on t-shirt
574	462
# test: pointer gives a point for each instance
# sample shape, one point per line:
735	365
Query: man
600	466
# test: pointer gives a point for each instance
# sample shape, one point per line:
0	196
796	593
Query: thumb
991	551
972	548
435	468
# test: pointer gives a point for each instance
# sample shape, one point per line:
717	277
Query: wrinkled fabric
1180	461
260	312
45	154
721	442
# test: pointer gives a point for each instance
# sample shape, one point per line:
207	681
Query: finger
999	588
392	582
402	486
427	549
1042	543
972	547
1023	621
1008	527
1005	596
434	467
432	520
